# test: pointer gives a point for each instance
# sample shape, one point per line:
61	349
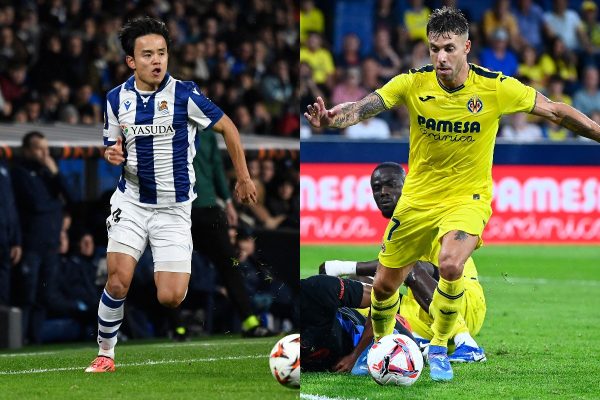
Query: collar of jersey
130	83
456	89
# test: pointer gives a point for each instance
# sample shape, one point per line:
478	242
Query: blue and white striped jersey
158	130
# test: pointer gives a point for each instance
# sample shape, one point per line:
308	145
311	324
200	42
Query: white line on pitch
244	342
538	281
319	397
41	353
137	364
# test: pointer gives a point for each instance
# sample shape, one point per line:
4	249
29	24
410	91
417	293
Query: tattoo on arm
579	127
353	113
460	235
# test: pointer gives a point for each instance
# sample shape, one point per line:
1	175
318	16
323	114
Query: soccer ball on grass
285	361
395	360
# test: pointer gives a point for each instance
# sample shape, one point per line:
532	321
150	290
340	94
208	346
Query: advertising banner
532	204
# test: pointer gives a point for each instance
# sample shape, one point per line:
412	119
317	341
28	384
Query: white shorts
167	229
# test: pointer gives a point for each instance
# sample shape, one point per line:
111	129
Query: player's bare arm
346	363
345	114
244	188
567	117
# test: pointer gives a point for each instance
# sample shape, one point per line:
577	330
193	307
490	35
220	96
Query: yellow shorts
473	307
414	234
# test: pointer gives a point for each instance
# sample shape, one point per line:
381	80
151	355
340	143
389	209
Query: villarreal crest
474	105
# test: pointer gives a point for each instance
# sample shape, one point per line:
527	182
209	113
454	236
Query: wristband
337	268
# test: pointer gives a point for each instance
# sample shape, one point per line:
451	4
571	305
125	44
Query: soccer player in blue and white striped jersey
150	124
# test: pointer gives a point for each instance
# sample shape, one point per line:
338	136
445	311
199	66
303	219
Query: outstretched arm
339	268
244	187
567	117
345	114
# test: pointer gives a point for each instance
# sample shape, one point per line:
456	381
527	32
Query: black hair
26	143
447	20
143	26
392	165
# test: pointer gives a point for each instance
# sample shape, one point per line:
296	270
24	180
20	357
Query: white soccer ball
395	360
285	361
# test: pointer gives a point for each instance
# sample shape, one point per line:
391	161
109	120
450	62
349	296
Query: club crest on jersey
474	104
124	129
163	107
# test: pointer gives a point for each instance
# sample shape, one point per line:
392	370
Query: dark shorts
323	339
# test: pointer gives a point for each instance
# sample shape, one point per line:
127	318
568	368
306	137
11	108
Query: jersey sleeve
513	96
201	110
393	92
111	129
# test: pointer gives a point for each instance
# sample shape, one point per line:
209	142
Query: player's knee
171	298
383	290
116	288
450	267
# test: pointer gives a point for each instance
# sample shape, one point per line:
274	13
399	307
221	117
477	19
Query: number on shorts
396	225
115	215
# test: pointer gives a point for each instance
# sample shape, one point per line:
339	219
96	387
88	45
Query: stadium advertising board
541	204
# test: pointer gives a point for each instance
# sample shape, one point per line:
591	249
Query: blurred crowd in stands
58	58
552	45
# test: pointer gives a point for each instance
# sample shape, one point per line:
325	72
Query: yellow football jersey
452	132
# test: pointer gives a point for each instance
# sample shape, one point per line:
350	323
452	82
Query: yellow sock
383	314
250	323
460	326
445	308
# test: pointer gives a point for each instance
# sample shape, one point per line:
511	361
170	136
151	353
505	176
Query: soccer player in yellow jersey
454	111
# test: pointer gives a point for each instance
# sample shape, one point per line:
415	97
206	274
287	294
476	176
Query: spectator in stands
311	20
415	20
560	61
12	49
519	130
285	203
530	21
308	88
267	175
370	74
556	90
498	57
500	17
383	53
350	55
349	89
530	67
419	55
40	194
587	99
276	87
372	128
13	84
258	213
319	59
10	234
565	24
75	295
589	12
49	66
33	108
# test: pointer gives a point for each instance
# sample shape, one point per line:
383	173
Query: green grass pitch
541	332
210	368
